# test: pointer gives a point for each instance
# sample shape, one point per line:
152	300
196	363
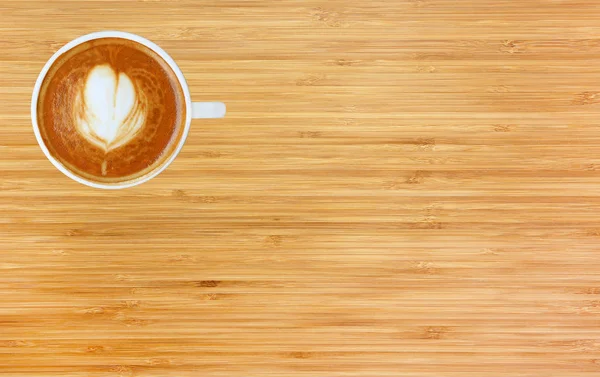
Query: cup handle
203	110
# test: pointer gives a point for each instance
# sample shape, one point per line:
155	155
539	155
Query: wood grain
400	188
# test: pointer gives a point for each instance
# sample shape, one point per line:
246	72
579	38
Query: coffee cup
112	110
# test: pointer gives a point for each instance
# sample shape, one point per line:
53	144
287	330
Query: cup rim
111	34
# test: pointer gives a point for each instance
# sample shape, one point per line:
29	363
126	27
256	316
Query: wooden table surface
400	188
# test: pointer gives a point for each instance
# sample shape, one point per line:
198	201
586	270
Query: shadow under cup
111	111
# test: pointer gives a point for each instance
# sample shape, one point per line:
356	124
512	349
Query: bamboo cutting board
400	188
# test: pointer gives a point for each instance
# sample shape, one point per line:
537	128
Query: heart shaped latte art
109	111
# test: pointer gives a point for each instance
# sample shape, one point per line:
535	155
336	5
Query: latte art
109	111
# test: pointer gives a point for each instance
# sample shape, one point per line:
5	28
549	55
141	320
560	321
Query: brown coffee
111	110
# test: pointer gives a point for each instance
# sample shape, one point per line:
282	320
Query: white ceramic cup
194	110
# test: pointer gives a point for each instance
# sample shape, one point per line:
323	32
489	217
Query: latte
111	110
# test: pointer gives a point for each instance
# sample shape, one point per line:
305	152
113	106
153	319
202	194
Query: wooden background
400	188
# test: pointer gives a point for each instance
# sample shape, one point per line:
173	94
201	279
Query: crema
111	110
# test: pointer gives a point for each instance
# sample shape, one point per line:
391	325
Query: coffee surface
111	110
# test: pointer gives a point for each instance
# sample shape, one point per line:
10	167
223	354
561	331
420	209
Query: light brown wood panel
400	188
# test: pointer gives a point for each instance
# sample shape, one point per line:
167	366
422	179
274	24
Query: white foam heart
109	112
